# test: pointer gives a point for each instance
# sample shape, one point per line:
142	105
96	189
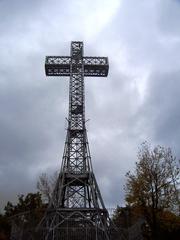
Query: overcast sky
138	101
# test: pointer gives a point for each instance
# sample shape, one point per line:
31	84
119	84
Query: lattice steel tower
76	210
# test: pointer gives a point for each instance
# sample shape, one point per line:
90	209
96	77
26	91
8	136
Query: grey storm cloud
161	108
138	101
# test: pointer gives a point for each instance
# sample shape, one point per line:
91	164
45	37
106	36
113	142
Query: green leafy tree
25	215
31	201
153	186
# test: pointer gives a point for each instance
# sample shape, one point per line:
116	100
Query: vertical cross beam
76	162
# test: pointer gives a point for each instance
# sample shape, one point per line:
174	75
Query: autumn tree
153	186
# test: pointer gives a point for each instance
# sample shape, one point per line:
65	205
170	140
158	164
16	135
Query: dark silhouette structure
76	210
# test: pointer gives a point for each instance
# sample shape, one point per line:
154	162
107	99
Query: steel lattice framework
76	210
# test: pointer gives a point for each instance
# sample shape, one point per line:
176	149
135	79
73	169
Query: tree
25	215
4	228
129	222
46	185
153	187
30	202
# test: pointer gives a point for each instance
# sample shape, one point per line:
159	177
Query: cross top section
62	65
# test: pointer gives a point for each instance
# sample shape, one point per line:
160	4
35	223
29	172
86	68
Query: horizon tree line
152	192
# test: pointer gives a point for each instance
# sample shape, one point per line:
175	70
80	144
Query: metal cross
76	202
61	65
76	66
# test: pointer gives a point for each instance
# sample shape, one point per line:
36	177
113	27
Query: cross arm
60	66
57	66
96	66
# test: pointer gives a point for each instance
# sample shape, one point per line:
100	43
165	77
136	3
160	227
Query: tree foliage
4	228
153	187
31	201
25	214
